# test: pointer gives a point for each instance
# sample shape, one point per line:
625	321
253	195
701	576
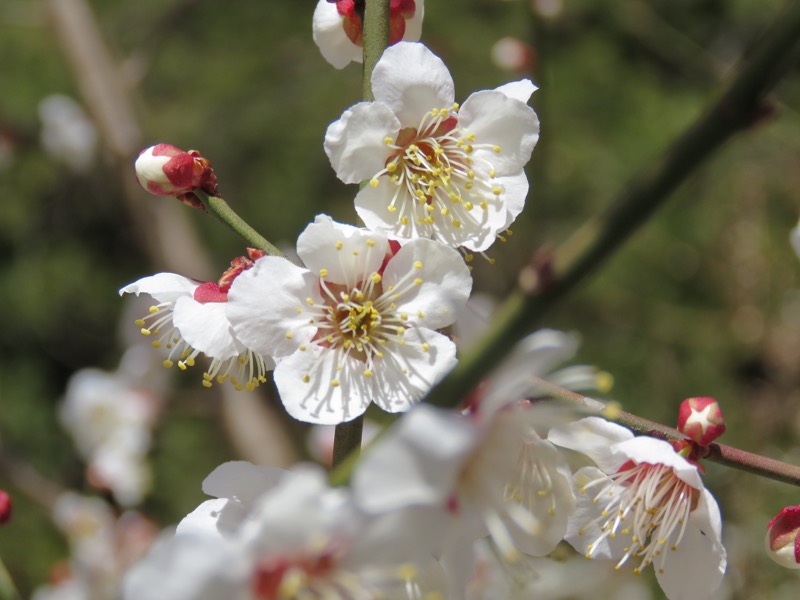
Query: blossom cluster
362	318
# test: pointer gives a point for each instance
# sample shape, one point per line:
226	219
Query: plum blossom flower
295	537
357	325
190	318
338	27
490	474
435	170
644	504
110	421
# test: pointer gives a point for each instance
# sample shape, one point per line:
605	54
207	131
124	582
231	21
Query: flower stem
552	276
227	215
347	439
719	453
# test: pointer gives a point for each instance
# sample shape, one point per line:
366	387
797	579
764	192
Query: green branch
550	277
220	209
347	439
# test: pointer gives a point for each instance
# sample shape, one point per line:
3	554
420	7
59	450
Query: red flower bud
6	506
783	538
165	170
701	420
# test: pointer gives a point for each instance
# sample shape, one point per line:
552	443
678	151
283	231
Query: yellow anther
468	206
289	335
418	281
167	364
376	278
370	242
391	209
335	383
339	245
152	309
456	223
426	346
303	348
368	373
492	173
181	365
418	265
139	322
207	383
469	185
496	148
144	331
497	190
391	167
323	272
444	211
404	220
373	183
310	301
306	378
469	257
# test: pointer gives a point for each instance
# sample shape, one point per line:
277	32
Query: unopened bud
701	420
165	170
783	538
6	506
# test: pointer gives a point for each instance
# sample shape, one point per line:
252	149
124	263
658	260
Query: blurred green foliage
704	301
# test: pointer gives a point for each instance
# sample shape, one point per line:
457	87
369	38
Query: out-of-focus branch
166	234
552	276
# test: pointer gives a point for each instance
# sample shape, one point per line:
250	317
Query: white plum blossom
338	29
356	325
645	504
298	538
110	422
435	170
190	318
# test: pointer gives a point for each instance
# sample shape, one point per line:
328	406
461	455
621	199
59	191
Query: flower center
360	321
647	502
438	179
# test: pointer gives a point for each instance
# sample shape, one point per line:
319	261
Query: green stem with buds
222	210
347	439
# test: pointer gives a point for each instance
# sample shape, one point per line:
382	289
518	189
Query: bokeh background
704	300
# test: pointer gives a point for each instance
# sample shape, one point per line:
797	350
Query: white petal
220	517
795	239
593	437
416	463
348	254
412	80
496	119
354	144
515	192
164	287
645	449
407	372
263	305
696	568
318	400
241	480
445	282
330	37
372	206
205	327
519	90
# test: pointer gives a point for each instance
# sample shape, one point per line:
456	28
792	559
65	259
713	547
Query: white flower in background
338	28
484	474
190	318
645	504
67	134
298	539
794	238
110	422
102	546
356	325
556	577
436	170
